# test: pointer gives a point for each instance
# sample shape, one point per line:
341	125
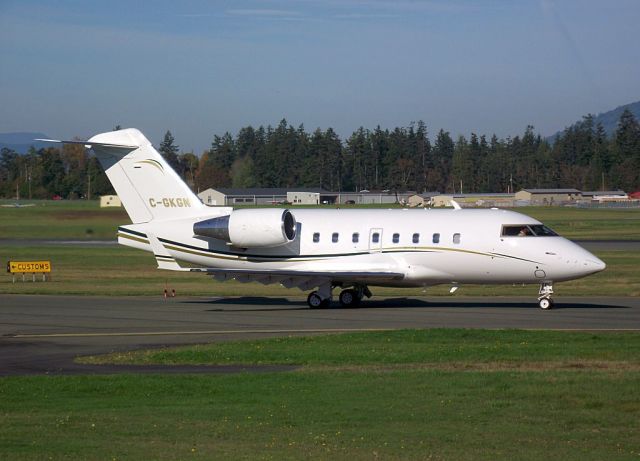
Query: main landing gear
544	298
349	297
315	301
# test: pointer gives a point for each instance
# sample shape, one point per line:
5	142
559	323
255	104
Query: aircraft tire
349	298
315	301
545	303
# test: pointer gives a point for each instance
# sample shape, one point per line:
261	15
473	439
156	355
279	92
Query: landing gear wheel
316	302
349	298
545	303
544	299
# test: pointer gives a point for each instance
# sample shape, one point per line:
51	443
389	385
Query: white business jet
321	250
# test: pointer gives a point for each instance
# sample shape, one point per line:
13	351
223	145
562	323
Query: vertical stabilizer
144	181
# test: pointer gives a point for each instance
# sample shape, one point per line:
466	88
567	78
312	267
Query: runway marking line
312	330
205	332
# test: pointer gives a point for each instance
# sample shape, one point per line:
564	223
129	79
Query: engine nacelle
251	228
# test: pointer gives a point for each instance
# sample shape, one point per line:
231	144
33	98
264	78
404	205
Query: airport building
605	196
548	196
264	196
107	201
301	196
317	196
475	200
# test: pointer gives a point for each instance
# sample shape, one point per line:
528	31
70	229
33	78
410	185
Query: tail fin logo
151	162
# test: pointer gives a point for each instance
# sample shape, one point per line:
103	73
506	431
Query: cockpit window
527	230
542	231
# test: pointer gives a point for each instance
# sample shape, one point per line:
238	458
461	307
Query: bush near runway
437	394
82	219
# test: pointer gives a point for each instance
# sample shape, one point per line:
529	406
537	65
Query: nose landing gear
544	298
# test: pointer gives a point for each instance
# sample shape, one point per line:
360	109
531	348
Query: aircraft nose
595	264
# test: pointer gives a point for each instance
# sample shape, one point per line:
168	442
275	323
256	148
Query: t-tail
148	187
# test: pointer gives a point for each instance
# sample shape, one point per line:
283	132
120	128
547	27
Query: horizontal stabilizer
163	258
88	144
148	186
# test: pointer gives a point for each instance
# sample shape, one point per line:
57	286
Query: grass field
62	220
435	394
430	394
435	348
86	220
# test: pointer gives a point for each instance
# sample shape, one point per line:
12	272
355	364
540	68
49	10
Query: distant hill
21	142
609	119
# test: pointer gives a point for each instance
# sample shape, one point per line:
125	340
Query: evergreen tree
188	162
627	152
242	172
422	155
398	161
170	152
359	168
462	167
443	148
220	159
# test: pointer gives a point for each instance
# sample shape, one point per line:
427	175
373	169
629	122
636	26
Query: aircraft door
375	240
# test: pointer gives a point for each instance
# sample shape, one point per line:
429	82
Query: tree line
405	158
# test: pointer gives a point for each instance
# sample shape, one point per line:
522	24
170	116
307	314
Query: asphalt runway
44	334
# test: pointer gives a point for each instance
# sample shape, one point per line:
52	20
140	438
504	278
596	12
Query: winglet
455	205
164	259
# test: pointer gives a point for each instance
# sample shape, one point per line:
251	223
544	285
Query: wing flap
304	280
334	275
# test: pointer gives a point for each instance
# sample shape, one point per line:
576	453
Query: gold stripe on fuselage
266	258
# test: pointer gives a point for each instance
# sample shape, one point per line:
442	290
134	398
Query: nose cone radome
594	264
582	262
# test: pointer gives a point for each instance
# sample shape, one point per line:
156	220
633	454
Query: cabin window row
395	238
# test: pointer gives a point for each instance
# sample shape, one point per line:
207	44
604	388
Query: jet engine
256	228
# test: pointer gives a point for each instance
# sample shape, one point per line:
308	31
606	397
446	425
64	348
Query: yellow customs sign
30	267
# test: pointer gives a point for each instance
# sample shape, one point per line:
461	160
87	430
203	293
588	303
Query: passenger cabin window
527	230
355	238
375	237
416	238
334	237
436	238
456	238
316	237
396	238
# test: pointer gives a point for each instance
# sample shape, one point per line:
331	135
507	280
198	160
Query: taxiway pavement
44	334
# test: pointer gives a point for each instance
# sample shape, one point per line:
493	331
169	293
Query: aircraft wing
288	278
299	279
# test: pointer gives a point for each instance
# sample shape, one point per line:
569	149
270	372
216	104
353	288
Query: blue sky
199	68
